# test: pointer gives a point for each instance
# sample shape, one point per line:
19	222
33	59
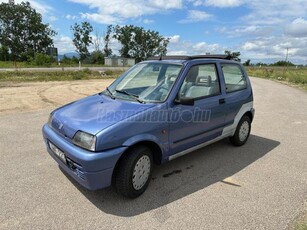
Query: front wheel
134	172
242	132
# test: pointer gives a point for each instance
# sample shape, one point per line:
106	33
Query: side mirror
185	101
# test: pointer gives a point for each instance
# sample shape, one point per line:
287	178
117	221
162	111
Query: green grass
10	64
293	76
301	226
32	76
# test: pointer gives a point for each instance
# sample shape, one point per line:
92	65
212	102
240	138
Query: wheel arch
249	114
156	153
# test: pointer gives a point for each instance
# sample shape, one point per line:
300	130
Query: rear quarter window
234	78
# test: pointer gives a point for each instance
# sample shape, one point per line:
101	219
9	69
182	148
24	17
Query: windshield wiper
136	97
110	93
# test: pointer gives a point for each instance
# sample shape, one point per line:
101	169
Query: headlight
85	140
50	120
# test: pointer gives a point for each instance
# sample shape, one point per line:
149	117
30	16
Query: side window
234	77
201	81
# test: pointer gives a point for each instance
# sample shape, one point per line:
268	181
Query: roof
175	57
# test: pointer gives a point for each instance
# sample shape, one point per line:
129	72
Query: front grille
76	168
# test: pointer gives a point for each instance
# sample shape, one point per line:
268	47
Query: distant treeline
278	63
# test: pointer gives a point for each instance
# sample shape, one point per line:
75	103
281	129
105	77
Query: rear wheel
242	132
134	172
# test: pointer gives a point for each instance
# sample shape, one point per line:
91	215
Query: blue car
158	110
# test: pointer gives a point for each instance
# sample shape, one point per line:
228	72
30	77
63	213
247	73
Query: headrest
192	74
170	79
203	81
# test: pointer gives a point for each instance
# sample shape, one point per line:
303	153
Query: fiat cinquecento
156	111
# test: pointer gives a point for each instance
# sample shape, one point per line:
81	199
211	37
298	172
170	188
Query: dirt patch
26	97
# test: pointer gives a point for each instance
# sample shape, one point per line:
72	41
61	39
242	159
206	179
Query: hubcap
244	130
141	172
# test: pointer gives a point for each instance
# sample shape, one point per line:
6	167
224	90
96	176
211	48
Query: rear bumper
253	113
92	170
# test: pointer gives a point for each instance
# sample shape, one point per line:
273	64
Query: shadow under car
183	176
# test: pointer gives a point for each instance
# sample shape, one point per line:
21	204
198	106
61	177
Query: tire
134	172
242	132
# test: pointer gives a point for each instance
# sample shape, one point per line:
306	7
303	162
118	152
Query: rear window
234	77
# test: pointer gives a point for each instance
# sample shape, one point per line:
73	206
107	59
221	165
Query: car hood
93	114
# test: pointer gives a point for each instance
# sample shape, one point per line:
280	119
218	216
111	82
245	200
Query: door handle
222	101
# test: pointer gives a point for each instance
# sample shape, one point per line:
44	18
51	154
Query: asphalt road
262	185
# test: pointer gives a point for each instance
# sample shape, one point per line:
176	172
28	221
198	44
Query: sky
261	30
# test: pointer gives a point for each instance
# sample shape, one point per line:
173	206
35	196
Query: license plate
57	152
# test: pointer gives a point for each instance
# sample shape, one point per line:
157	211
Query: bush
78	75
43	60
87	71
108	72
69	61
96	57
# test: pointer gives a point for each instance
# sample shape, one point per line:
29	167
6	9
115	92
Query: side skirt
195	148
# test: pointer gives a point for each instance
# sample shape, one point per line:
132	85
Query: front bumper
93	170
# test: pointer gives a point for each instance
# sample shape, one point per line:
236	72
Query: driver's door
194	125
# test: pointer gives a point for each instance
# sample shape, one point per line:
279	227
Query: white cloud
275	47
116	11
64	44
274	12
148	21
42	8
223	3
250	30
203	48
166	4
250	46
71	17
196	2
196	16
298	28
218	3
184	47
52	18
103	19
174	39
177	52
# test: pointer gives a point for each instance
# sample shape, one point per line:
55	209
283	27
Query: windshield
146	82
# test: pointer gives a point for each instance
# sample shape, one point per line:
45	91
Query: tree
107	50
139	43
233	55
4	53
82	38
283	63
97	40
22	31
96	57
247	63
